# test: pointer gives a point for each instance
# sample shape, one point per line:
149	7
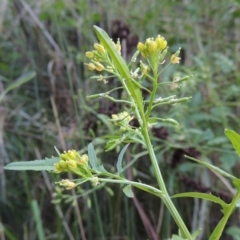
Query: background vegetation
50	38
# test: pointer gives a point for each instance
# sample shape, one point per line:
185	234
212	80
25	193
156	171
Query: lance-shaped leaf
204	196
120	158
35	165
96	166
234	138
133	85
213	168
128	191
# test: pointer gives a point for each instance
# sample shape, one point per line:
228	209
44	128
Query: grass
50	38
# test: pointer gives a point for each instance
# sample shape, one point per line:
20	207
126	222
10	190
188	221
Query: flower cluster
96	57
71	161
100	55
122	120
157	47
67	184
151	46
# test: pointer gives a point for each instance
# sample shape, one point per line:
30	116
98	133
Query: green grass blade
37	218
18	82
8	234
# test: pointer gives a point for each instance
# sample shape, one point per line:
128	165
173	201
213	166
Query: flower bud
175	59
118	46
62	164
99	67
99	48
91	66
151	45
84	159
72	154
67	184
145	54
123	129
64	156
163	54
161	42
95	181
71	185
58	167
89	54
114	116
141	47
144	68
72	164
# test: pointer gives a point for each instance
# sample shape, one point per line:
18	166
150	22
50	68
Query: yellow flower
175	59
151	45
161	42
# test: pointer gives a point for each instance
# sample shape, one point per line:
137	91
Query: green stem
155	86
142	186
149	109
165	197
217	233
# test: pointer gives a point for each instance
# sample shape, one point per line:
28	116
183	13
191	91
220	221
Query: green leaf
176	237
168	120
234	138
96	166
204	196
18	82
128	191
236	183
234	232
120	158
133	85
36	165
211	167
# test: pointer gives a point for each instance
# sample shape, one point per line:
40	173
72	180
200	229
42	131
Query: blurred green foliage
50	38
